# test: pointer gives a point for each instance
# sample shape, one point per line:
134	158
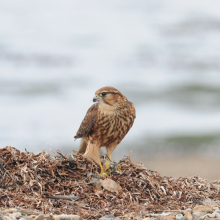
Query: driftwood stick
70	198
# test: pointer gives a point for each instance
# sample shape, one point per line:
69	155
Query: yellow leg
102	170
110	148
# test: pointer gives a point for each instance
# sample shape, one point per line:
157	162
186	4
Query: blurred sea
163	55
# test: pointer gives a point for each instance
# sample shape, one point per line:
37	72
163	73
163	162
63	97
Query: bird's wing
88	122
132	115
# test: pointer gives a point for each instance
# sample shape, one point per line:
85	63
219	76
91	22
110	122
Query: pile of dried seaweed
60	185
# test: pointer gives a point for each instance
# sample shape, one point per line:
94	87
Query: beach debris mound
71	184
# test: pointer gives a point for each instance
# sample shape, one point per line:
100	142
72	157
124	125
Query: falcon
105	124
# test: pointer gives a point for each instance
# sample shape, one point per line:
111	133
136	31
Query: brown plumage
106	123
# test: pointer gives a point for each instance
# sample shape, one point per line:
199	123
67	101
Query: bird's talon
102	170
118	169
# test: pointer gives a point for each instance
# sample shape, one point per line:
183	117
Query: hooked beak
96	98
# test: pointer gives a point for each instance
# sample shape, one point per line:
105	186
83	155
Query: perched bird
106	123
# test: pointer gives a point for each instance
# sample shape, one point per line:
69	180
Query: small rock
198	214
217	215
107	217
25	218
202	208
165	213
211	215
43	217
31	216
168	217
16	214
209	202
8	210
111	185
188	215
179	216
146	218
12	216
188	210
69	217
29	212
7	218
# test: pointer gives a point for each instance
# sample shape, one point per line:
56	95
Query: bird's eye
104	93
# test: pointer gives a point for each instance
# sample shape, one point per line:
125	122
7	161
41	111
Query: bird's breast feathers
112	125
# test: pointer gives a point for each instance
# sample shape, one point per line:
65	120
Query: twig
72	198
3	168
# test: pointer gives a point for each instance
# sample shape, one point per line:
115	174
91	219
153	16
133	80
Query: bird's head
108	96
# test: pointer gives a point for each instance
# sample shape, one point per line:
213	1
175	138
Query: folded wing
88	122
